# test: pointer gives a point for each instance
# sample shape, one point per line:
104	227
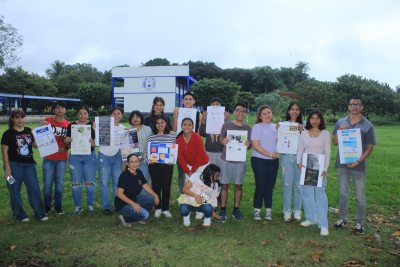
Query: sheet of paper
128	142
236	149
288	137
164	153
45	140
81	135
313	166
104	131
215	119
186	113
350	146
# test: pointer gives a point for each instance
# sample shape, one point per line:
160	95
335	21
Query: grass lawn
98	240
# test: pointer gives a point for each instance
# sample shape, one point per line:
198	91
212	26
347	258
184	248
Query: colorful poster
288	137
208	195
45	140
129	142
350	146
186	113
164	153
313	166
215	119
81	135
104	131
236	149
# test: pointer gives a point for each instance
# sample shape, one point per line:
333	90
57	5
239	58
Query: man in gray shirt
357	169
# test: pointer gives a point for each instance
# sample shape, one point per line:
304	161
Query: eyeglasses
355	105
240	111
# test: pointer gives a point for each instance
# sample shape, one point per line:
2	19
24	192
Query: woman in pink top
315	140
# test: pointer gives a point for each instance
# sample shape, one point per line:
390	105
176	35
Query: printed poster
215	119
104	131
288	137
165	153
186	113
128	141
81	135
208	195
313	166
45	140
236	149
350	146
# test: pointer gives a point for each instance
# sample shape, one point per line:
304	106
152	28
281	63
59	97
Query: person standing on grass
143	132
213	146
161	174
110	165
83	167
157	109
16	145
233	171
188	102
290	172
315	140
356	170
54	165
264	161
134	198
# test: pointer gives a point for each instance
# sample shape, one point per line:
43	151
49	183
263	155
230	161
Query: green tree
205	89
201	70
277	102
266	80
57	69
95	95
248	98
10	43
157	62
243	77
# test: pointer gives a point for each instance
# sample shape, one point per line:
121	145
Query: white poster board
350	146
81	135
45	140
104	131
288	137
236	149
186	113
215	119
313	166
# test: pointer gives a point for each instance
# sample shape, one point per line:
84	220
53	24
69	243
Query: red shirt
60	132
192	153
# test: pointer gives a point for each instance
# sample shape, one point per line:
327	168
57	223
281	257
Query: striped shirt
159	138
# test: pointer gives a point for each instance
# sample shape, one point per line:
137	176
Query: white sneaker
287	215
268	214
207	222
199	215
45	218
167	214
257	214
26	219
297	215
324	231
157	213
186	220
307	223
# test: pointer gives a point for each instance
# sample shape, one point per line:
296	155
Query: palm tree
57	68
302	66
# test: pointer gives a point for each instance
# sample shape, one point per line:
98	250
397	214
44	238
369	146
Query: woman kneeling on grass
131	202
200	194
19	166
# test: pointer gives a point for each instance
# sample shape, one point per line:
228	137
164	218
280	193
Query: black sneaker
107	212
47	210
340	224
359	229
222	215
59	210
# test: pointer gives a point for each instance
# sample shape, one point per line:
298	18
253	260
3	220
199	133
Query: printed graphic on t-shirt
59	131
23	142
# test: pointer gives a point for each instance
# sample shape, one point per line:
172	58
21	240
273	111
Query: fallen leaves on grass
309	243
264	242
353	263
316	256
12	247
377	219
279	263
281	236
374	250
396	234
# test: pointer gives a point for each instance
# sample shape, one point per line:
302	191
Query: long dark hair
167	127
299	118
15	113
155	100
209	172
185	119
321	125
136	113
260	109
82	107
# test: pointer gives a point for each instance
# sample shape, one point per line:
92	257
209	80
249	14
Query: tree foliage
206	89
157	62
277	102
95	95
204	70
10	43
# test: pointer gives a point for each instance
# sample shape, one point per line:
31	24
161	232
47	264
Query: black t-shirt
93	133
132	185
19	145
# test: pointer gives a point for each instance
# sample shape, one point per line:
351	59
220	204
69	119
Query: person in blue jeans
134	198
83	167
110	165
16	145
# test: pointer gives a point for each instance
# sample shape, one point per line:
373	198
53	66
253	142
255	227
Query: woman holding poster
82	166
315	140
289	170
161	173
19	166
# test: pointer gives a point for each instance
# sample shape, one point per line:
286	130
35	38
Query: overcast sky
335	37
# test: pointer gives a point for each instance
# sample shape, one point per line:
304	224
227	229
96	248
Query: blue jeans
315	204
53	173
265	171
145	201
83	169
25	172
144	167
207	209
109	167
290	182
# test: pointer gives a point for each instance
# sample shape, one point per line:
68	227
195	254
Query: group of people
204	173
